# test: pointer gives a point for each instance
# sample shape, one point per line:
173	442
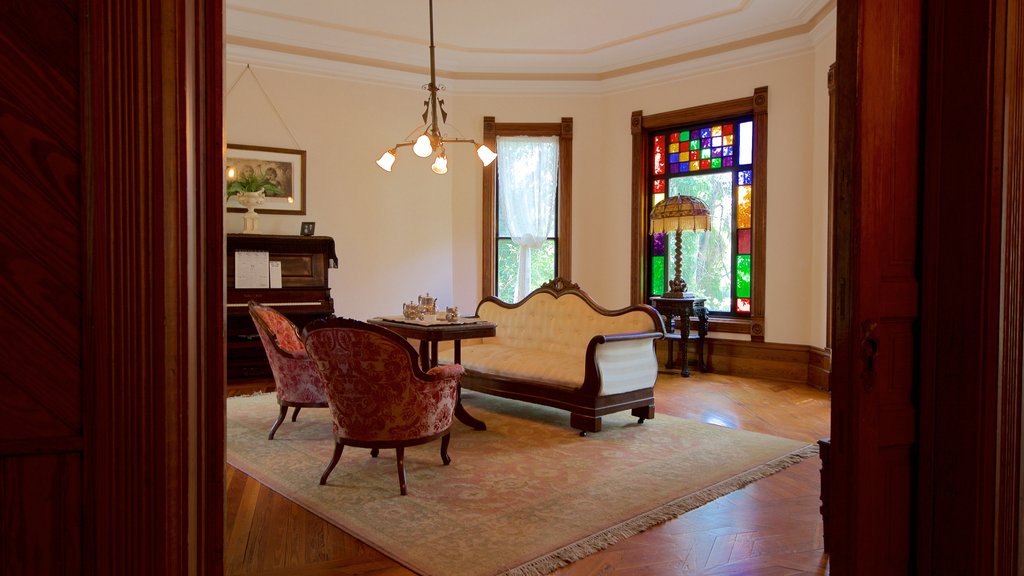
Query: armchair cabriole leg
401	468
295	414
280	419
338	447
444	449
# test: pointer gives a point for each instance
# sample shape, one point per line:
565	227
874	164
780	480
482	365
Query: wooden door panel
41	277
876	254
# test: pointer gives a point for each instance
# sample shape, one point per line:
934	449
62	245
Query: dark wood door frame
154	307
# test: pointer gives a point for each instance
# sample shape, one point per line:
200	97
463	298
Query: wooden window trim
641	127
563	130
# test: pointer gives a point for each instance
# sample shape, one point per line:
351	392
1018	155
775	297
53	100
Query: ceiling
524	40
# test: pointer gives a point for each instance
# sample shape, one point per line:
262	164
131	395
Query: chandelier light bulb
387	160
486	154
440	165
423	147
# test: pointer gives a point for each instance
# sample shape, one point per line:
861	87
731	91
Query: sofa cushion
533	365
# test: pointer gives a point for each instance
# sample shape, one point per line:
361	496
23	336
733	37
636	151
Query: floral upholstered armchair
378	394
296	379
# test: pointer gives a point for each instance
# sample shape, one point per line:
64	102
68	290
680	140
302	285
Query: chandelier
430	140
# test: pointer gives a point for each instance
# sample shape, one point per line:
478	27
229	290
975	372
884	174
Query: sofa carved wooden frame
585	405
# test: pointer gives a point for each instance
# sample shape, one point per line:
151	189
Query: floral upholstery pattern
374	387
296	379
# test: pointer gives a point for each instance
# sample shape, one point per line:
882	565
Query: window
715	153
527	199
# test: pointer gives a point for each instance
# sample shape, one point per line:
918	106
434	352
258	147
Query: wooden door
876	281
111	283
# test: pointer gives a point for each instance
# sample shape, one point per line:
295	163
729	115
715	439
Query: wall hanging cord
248	68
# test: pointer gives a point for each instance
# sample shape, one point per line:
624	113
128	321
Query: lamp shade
680	213
440	165
387	160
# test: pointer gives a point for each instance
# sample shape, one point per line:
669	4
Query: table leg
460	411
684	339
424	355
433	353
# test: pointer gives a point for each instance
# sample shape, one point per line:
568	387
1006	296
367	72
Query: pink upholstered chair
296	379
378	394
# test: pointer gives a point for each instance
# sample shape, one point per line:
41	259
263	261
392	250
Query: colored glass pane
743	241
727	140
743	276
746	142
726	150
705	153
694	144
705	164
673	148
746	177
705	142
705	133
716	131
727	161
673	137
716	141
657	275
658	244
695	165
659	186
684	135
716	163
673	158
694	154
674	168
659	154
684	167
716	152
743	305
743	206
726	129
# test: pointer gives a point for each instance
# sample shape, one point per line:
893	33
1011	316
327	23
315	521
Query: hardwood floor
771	527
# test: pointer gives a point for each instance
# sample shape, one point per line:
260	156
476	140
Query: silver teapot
428	305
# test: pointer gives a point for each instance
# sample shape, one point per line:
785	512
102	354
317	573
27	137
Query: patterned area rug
526	496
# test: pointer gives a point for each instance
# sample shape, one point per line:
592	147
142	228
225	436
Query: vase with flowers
250	189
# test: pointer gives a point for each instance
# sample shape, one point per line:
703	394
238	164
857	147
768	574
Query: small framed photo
284	168
307	228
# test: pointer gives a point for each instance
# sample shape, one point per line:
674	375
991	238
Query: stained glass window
712	162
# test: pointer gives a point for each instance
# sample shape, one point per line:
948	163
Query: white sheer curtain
527	189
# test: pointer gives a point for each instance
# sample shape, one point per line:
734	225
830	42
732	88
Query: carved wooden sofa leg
643	413
585	423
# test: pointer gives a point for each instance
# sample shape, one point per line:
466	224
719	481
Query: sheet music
252	269
275	273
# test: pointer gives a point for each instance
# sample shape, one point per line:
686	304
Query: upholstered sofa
558	348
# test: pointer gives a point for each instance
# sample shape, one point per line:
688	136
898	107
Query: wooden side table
683	309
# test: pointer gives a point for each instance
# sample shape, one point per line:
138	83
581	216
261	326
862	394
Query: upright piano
304	296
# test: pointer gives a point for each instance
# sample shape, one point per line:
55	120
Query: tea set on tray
426	309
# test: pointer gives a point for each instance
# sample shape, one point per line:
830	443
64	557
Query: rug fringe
583	548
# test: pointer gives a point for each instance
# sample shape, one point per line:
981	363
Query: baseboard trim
790	362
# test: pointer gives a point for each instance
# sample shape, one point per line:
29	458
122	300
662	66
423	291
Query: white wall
405	233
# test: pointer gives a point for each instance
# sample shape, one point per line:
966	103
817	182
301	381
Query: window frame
563	228
641	128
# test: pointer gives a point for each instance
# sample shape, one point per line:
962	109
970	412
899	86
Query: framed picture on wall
284	167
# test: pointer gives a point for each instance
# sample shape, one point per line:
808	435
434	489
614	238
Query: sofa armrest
621	363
